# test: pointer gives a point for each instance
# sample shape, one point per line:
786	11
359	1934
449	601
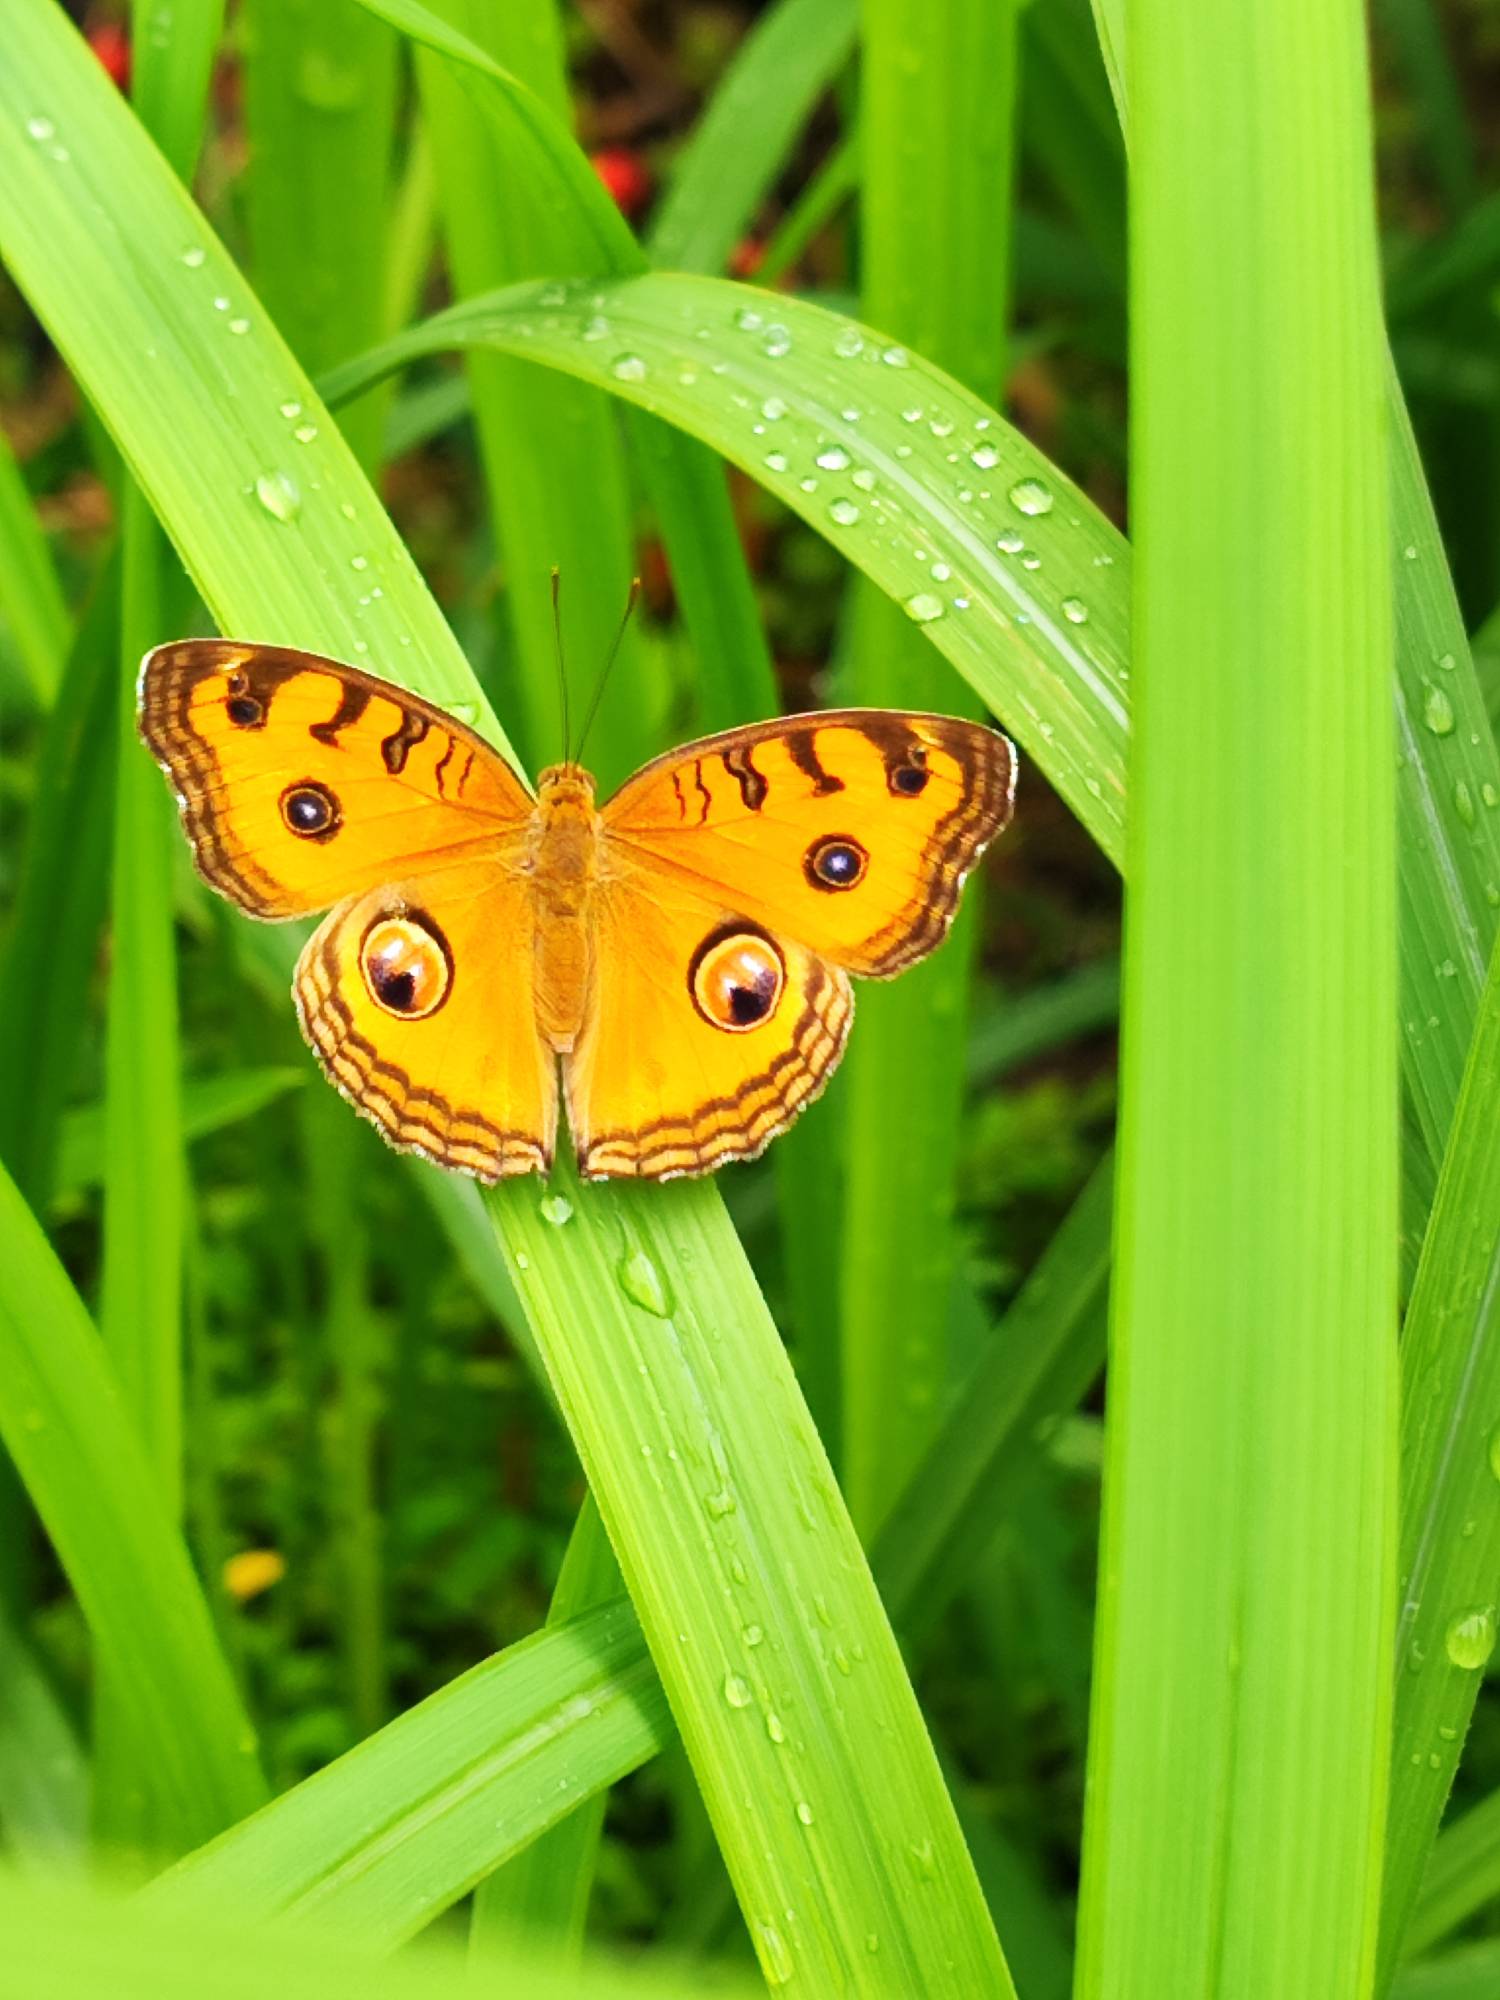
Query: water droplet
777	342
641	1281
984	456
844	512
895	357
1489	794
924	607
748	320
595	328
628	368
359	562
773	409
1010	543
775	1960
556	1209
848	342
736	1691
804	1812
776	460
923	1861
239	325
1410	552
305	433
1437	711
775	1728
864	479
1463	803
1030	496
1030	559
523	1262
1075	611
721	1503
941	572
941	427
1447	662
1470	1638
193	257
808	485
752	1635
221	304
277	493
290	409
41	129
833	458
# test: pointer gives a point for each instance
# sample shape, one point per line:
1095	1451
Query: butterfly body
674	964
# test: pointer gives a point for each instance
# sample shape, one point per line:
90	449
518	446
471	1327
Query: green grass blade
76	1944
1022	1026
937	98
77	1450
1448	769
1241	1696
60	898
1462	1876
396	1830
33	612
790	56
320	106
1450	1543
140	1310
196	410
1034	608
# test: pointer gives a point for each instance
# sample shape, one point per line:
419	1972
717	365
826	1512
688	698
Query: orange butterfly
681	953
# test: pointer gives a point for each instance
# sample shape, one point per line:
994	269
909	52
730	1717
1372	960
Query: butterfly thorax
563	863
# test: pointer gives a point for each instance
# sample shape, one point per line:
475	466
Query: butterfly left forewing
851	830
706	1033
301	780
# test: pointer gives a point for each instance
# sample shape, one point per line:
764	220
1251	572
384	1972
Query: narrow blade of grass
1470	1974
320	107
396	1830
44	1777
78	1452
209	1104
937	101
1241	1698
1450	1544
789	57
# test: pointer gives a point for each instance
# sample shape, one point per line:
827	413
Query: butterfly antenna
600	684
562	671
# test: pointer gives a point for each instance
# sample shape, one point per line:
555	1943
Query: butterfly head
565	789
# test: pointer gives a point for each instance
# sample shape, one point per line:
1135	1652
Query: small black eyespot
910	779
749	1004
310	810
245	710
396	990
835	862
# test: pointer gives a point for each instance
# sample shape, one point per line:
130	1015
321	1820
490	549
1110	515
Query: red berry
625	175
111	45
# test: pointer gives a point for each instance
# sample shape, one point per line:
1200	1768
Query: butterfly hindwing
302	781
419	1001
851	830
706	1033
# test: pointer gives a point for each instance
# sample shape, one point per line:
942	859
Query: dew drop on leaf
1030	496
924	607
1437	712
277	492
1470	1638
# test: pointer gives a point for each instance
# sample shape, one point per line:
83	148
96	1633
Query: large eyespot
835	862
310	810
407	965
736	979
